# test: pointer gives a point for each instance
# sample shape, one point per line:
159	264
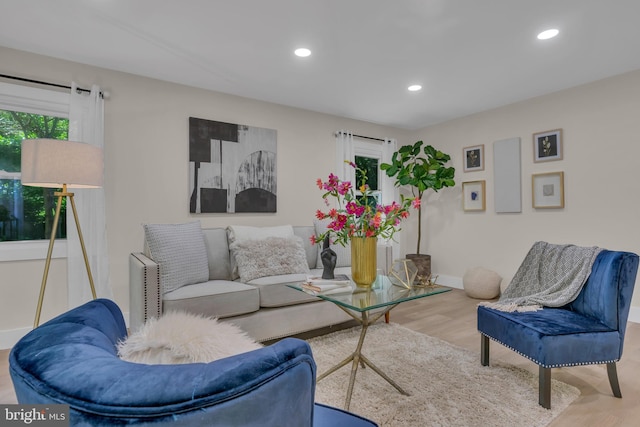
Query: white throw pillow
180	251
242	233
269	257
239	233
343	253
179	337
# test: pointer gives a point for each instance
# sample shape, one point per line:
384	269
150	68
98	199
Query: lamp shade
52	163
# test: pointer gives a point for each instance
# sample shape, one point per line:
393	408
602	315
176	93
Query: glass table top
381	294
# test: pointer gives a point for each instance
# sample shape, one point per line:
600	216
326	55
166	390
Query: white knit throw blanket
550	275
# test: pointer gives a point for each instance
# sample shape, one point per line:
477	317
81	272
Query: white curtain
86	124
389	191
344	151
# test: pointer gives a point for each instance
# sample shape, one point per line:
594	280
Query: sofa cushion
218	253
180	251
269	257
275	292
215	298
241	233
180	337
305	233
552	336
343	253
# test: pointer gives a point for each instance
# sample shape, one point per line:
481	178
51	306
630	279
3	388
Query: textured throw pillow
242	233
269	257
180	251
179	337
481	283
343	253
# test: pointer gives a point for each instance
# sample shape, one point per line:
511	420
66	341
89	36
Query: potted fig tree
420	169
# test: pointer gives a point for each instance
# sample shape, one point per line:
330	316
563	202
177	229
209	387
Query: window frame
32	100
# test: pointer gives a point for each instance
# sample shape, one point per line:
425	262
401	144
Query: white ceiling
469	55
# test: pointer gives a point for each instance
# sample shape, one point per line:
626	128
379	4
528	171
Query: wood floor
452	317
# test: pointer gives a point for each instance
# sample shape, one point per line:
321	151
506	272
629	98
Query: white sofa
265	307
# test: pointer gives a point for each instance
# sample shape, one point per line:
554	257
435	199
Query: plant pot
364	262
423	263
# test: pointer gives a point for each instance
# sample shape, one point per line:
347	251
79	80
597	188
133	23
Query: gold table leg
358	358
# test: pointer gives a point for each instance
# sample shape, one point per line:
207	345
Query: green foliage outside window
26	213
367	168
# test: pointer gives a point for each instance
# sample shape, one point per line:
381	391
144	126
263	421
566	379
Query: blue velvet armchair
589	330
72	360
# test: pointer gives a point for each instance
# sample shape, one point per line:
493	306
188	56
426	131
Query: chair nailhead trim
549	366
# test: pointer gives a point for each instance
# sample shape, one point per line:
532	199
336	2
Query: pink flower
355	213
353	208
344	187
416	203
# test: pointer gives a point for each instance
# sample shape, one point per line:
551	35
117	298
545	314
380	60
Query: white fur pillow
243	233
179	337
269	257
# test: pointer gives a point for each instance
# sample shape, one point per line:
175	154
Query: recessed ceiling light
548	34
302	52
414	88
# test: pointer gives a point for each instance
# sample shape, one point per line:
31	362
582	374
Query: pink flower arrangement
357	215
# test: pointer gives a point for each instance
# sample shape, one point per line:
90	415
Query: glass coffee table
367	305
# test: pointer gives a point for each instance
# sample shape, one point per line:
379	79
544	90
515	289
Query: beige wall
146	175
146	124
601	153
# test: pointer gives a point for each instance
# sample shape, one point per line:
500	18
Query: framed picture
232	167
547	146
473	195
548	190
473	158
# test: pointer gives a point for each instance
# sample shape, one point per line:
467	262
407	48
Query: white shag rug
448	385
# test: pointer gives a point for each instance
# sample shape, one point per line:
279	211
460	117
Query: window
27	213
368	157
368	168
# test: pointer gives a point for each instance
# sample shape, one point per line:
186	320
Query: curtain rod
40	82
364	137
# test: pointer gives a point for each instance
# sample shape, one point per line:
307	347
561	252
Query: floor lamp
62	164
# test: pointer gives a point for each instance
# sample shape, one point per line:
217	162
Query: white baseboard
450	281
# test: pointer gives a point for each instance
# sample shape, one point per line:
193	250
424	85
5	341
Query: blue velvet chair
72	360
589	330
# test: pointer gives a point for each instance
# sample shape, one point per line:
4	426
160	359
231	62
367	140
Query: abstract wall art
232	167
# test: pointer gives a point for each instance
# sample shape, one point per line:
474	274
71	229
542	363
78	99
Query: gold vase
364	261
